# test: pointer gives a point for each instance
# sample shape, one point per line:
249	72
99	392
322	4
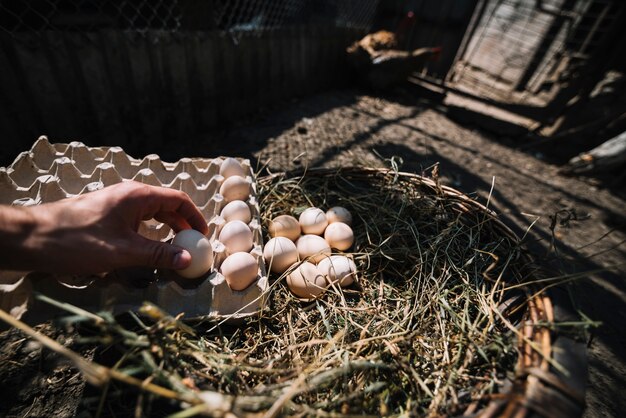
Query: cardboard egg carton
50	172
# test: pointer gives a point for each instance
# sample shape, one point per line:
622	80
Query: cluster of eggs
304	247
239	268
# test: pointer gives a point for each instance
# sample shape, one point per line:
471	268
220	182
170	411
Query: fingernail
179	261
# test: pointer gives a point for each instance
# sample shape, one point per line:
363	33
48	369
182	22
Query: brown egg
200	249
279	253
306	281
240	270
313	221
231	167
236	236
339	236
312	246
237	210
235	188
285	226
339	214
338	269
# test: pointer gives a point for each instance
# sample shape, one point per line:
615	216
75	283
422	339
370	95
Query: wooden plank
63	72
196	82
243	73
10	135
294	87
16	103
160	101
121	88
98	119
176	74
141	66
264	70
34	71
138	140
166	91
276	67
303	58
288	65
254	75
228	82
209	63
327	56
220	78
315	59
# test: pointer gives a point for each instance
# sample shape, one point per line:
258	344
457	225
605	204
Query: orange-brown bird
380	63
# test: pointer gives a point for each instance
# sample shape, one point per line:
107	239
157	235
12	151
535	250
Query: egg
338	269
339	214
285	226
236	236
312	246
235	188
200	249
279	253
306	281
237	210
240	270
339	236
232	167
313	221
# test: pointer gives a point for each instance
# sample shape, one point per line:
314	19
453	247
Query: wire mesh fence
85	15
237	17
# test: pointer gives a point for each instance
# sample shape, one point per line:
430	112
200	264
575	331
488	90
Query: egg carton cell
52	171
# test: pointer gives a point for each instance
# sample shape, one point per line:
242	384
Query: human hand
97	232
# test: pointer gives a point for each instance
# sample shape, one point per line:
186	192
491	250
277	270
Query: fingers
149	253
170	205
174	220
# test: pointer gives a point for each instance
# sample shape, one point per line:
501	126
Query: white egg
237	210
279	253
306	281
200	249
313	221
235	188
240	270
236	236
338	269
285	226
339	236
339	214
232	167
312	246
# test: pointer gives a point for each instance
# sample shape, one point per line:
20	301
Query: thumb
160	254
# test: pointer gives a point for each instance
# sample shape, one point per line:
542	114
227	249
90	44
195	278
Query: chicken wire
84	15
241	17
237	17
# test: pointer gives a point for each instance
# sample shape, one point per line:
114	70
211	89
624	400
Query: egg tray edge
206	298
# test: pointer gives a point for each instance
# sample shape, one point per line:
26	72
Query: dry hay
428	330
420	332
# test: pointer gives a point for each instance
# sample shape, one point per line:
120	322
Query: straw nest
443	321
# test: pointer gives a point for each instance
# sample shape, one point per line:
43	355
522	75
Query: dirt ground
340	128
350	128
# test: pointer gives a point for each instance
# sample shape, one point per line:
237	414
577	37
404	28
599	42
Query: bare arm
96	232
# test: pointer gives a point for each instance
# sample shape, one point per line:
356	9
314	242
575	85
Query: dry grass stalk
430	329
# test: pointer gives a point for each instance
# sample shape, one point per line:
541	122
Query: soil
34	381
346	127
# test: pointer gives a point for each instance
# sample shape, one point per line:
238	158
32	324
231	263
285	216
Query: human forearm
38	238
18	226
96	232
